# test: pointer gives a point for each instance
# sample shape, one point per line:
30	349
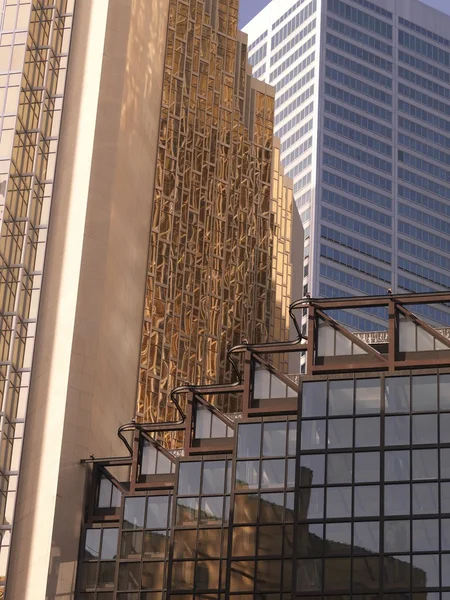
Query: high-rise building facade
330	487
145	228
362	110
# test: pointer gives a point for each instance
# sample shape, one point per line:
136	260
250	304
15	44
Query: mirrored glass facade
362	107
219	260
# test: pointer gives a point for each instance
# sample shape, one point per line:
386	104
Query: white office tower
363	115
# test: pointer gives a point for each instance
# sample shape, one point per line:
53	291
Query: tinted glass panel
397	499
367	467
340	433
425	498
313	435
366	537
133	517
397	430
247	474
213	477
274	439
424	429
339	468
397	394
367	501
367	432
425	464
189	478
397	465
157	512
314	397
396	536
367	396
312	469
339	502
249	440
424	393
341	397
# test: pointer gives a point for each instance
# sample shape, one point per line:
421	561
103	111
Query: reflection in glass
396	536
340	400
367	396
292	438
445	497
272	473
339	468
425	535
274	439
92	544
397	431
339	502
213	477
245	508
310	539
185	543
397	394
309	575
155	544
209	542
314	399
242	576
271	509
157	512
152	576
397	573
425	571
129	576
397	465
445	572
189	478
367	501
313	435
445	534
249	440
367	467
445	463
133	517
424	429
247	474
338	538
424	393
244	541
425	498
310	503
366	573
425	464
444	431
106	573
211	510
366	537
444	392
337	574
367	432
187	511
183	575
270	540
340	433
396	499
312	469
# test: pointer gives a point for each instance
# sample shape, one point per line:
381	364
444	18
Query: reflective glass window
271	509
367	467
247	474
338	538
341	397
157	512
425	571
367	501
425	464
367	432
273	473
314	399
397	430
340	433
274	439
312	469
366	537
424	429
339	469
249	440
367	396
397	499
425	535
245	508
339	502
311	503
133	517
313	434
397	394
189	478
397	465
397	537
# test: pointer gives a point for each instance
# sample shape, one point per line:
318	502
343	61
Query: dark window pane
309	575
92	544
290	501
242	576
312	469
247	474
249	439
340	433
211	510
425	571
183	575
444	420
424	393
209	543
337	574
106	573
397	432
397	465
213	477
290	474
367	501
270	542
88	575
397	394
271	509
129	576
268	575
366	537
396	499
292	438
444	392
314	398
153	575
367	396
367	432
109	544
445	497
189	478
207	575
339	468
310	539
367	467
244	541
187	511
185	543
366	573
245	508
274	439
425	535
397	573
445	534
425	464
425	498
338	538
424	429
273	473
313	435
339	502
396	536
154	544
445	570
288	540
445	463
131	544
157	512
134	513
311	503
341	397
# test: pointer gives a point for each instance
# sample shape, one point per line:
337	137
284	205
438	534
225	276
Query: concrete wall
85	369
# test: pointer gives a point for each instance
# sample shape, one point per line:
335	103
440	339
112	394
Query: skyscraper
145	228
362	110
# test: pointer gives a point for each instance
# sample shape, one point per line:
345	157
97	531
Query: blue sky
250	8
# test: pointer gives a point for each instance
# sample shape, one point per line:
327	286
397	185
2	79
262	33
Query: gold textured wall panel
211	277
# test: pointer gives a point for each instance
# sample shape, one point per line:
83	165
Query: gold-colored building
219	261
144	229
